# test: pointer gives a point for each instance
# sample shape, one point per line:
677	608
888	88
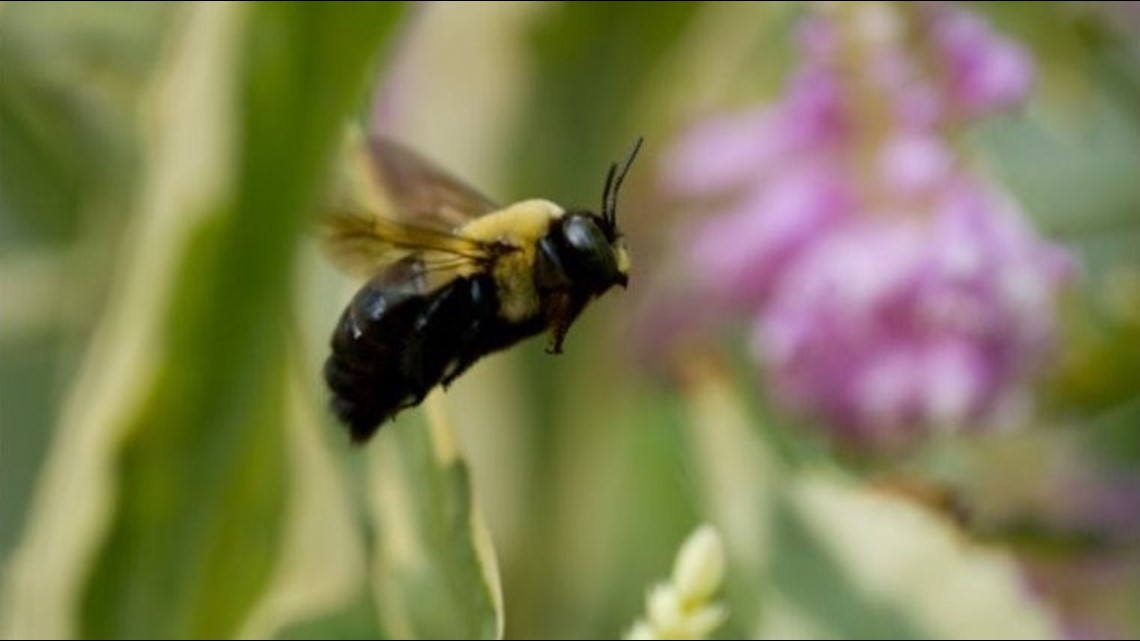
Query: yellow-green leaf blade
436	576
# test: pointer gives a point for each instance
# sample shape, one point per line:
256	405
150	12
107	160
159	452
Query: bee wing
421	193
362	244
391	203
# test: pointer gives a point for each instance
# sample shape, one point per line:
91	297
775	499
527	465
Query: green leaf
436	576
321	565
171	465
814	555
70	78
71	74
358	620
201	475
860	564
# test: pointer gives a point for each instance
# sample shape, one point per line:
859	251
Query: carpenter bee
452	277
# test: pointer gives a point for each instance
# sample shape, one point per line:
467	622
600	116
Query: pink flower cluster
893	290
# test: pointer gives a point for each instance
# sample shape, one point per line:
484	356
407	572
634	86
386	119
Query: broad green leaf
171	466
355	620
822	557
322	560
435	571
70	78
187	178
859	564
71	74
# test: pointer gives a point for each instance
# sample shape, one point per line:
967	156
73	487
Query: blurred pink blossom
888	325
985	72
893	289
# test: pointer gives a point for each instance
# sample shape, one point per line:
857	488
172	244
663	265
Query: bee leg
469	353
457	370
472	343
561	308
557	336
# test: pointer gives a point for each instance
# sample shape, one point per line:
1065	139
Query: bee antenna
607	214
610	204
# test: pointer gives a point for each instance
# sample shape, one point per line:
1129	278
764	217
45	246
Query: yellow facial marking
621	256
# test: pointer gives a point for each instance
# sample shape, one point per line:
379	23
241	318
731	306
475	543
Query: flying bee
452	277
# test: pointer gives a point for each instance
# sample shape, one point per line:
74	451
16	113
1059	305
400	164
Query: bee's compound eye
584	235
591	255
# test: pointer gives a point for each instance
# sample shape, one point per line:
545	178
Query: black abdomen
394	343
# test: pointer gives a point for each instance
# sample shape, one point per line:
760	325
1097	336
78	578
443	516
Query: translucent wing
391	203
363	244
422	193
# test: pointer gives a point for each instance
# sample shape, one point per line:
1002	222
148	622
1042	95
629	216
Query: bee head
594	243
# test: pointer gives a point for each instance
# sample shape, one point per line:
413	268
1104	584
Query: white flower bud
699	569
664	607
641	631
681	609
702	623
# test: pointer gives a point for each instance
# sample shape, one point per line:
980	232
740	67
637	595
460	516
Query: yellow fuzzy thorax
520	225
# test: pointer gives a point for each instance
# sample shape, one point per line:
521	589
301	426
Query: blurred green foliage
71	77
178	533
152	359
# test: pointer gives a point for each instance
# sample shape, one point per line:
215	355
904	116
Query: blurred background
882	331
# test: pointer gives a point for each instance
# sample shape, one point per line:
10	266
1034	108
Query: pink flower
893	291
725	153
744	253
986	73
888	327
912	165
